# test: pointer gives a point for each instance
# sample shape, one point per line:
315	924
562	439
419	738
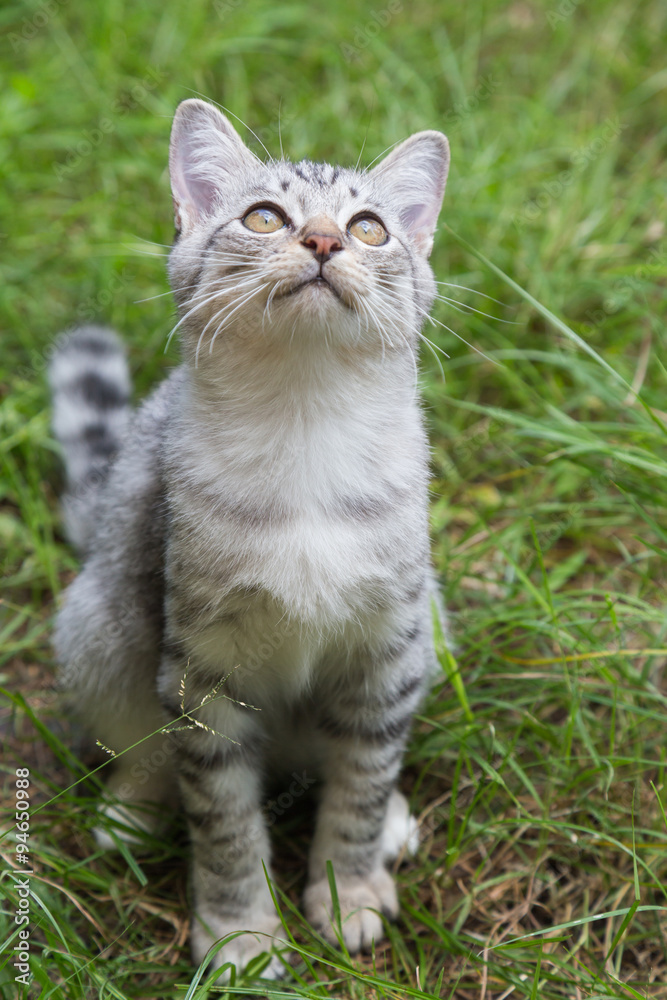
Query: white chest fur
297	513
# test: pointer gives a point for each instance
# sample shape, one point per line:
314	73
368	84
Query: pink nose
322	244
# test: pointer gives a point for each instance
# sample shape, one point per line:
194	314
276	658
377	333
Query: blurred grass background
540	778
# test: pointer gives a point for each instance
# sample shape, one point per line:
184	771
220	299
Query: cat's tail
90	384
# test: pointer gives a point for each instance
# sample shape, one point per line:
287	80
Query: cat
255	536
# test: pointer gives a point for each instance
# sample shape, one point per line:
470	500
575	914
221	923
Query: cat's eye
369	231
264	220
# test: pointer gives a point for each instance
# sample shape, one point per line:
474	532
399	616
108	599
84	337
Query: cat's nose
323	245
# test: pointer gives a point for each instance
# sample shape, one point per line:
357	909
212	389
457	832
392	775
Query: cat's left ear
206	154
412	178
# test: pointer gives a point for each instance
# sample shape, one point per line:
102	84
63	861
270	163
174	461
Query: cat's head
294	251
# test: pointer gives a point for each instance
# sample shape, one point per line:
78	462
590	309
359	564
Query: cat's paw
358	899
207	928
132	808
401	830
122	821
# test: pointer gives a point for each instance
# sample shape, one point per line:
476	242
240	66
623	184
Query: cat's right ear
205	150
412	178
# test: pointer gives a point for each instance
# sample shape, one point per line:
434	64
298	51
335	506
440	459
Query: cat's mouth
319	282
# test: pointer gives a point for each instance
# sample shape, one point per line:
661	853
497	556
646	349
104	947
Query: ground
538	763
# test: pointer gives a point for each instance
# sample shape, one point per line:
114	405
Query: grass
539	773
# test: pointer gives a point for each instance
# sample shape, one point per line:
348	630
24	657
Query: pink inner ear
419	219
190	189
413	178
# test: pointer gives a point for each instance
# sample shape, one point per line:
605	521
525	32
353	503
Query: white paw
266	932
401	830
358	898
119	819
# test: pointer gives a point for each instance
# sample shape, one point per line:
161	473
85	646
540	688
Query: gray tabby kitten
257	554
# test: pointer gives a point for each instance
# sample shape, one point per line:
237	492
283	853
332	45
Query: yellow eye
264	220
369	231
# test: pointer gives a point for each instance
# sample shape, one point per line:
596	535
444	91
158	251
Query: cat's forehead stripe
311	185
315	173
312	172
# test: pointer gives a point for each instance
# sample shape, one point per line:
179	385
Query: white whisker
182	320
267	308
472	347
226	305
161	295
474	291
461	306
433	348
236	309
205	299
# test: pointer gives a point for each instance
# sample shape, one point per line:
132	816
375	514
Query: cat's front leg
365	729
220	783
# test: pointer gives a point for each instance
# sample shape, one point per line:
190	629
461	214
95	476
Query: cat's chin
312	300
318	289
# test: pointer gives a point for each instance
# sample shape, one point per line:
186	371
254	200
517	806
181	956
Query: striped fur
90	384
258	552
